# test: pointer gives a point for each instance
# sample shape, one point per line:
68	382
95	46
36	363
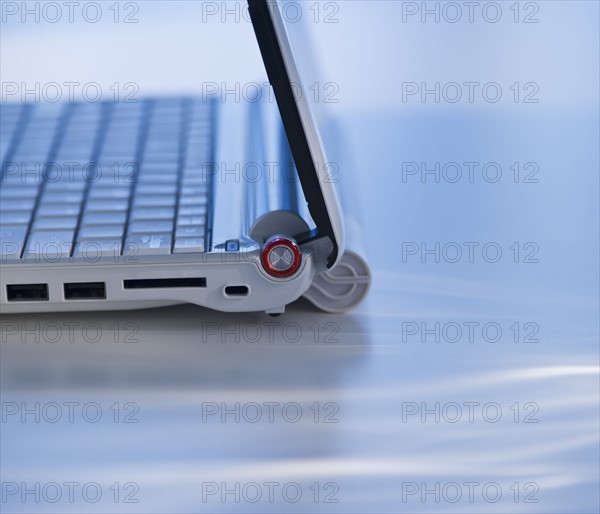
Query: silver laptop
147	220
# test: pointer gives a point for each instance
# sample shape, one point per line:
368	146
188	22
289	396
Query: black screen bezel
281	83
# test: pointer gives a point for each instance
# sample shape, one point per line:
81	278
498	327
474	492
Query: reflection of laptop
120	206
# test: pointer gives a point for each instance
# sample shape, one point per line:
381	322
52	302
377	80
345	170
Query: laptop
108	206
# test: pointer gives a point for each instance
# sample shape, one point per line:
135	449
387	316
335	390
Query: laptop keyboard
92	180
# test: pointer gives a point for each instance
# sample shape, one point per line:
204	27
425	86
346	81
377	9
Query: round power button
281	256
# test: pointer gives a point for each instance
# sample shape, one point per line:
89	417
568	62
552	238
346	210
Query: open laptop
146	222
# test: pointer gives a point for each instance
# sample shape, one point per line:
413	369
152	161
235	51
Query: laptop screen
275	23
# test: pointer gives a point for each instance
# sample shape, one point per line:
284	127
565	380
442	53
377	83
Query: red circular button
281	256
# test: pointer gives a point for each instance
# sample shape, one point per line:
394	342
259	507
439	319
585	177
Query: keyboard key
119	148
104	218
107	205
195	190
193	200
125	160
153	244
14	217
146	213
150	227
57	209
78	171
168	156
198	176
66	186
107	193
192	210
62	197
157	178
13	234
153	188
12	238
101	231
16	192
160	150
154	201
198	160
162	168
18	205
186	221
188	245
192	231
20	180
55	223
49	244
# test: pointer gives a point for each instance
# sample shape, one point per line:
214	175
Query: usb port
85	291
27	292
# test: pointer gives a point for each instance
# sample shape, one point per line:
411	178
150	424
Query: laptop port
27	292
237	290
162	283
85	291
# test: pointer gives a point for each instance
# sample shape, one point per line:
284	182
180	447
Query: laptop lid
300	127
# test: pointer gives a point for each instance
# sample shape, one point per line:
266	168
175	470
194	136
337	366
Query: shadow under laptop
181	346
116	397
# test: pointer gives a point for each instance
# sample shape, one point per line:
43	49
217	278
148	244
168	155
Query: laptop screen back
273	24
